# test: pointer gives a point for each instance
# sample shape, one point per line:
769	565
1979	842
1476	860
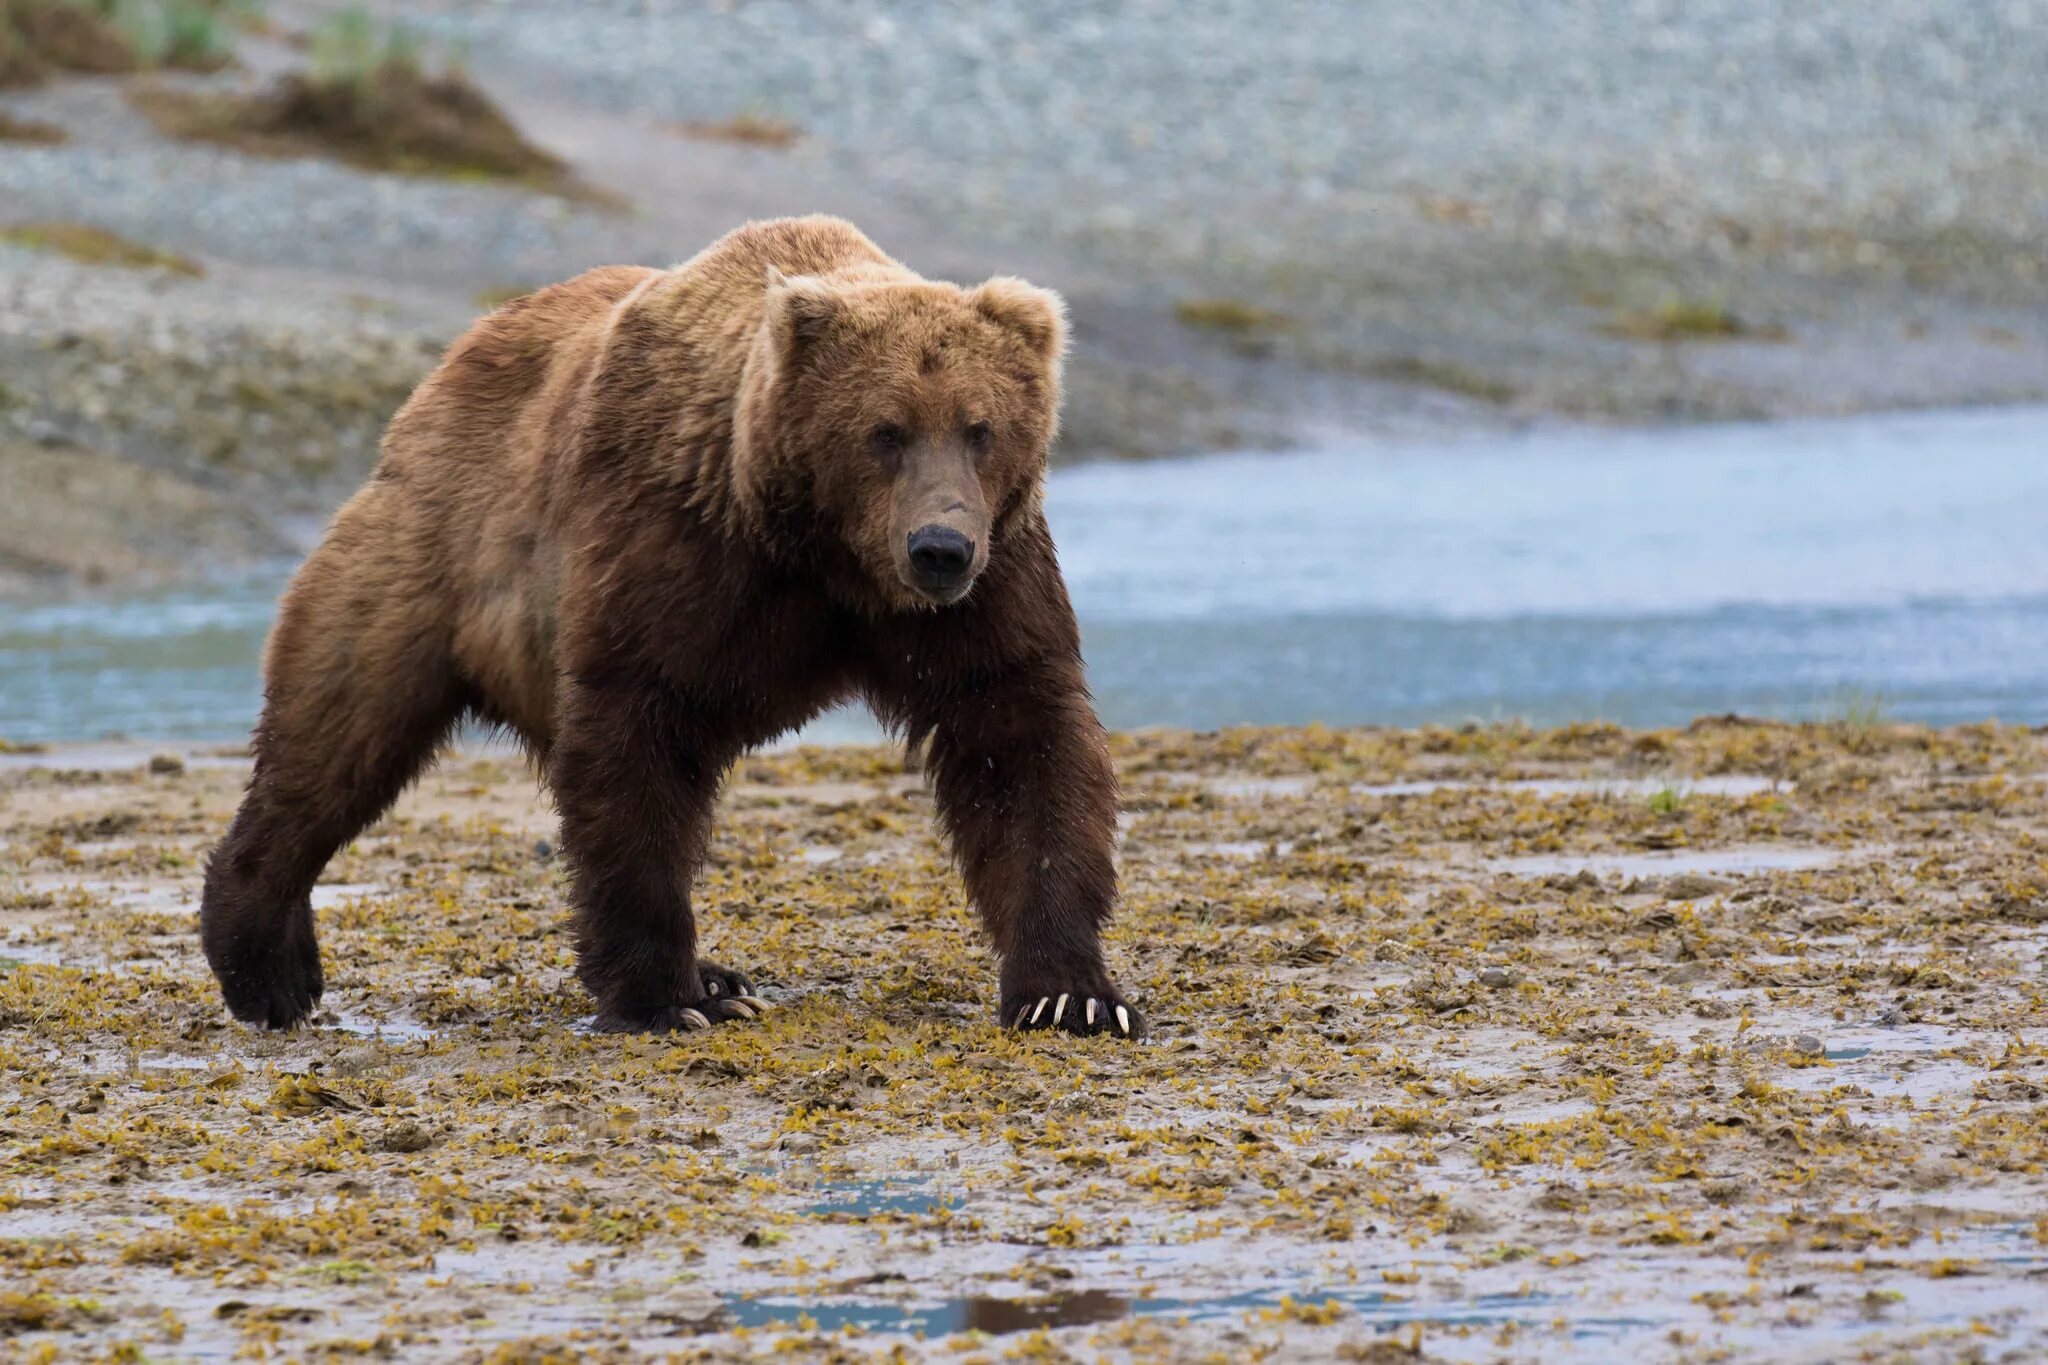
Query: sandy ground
1723	1043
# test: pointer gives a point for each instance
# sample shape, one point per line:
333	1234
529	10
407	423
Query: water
1642	577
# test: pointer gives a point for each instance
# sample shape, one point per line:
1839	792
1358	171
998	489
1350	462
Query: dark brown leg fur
357	697
1023	781
636	775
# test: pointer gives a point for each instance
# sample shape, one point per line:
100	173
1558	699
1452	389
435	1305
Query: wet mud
1727	1042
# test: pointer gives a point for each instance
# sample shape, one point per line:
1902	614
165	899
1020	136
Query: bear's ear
1037	315
799	309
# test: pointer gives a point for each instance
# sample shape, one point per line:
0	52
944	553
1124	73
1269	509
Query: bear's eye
887	441
978	437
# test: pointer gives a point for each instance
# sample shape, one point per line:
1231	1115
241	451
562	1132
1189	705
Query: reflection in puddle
1845	1054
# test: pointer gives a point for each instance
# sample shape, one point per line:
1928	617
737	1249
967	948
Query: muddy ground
1720	1043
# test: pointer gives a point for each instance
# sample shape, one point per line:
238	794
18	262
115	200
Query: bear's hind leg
359	691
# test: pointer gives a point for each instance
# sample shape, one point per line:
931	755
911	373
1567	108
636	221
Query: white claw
739	1004
1123	1020
695	1020
1059	1009
1018	1022
713	986
753	1002
1091	1011
1042	1003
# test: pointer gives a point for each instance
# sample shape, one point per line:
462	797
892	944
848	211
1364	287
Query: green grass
1668	799
349	50
1853	709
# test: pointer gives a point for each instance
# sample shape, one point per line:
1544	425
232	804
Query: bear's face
912	417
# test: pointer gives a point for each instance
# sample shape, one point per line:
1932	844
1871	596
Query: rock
1691	886
405	1135
166	765
1808	1045
1499	978
799	1143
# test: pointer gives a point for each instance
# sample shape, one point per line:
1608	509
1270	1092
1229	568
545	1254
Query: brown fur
649	519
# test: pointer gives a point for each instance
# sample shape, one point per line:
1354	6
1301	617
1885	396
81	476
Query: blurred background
1585	359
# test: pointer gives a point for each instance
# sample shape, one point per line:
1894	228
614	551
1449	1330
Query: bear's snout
940	558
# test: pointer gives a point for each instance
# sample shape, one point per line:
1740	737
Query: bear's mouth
940	591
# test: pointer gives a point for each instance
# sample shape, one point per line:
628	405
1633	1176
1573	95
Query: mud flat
1721	1042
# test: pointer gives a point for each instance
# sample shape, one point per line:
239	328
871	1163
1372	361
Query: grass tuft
31	132
1441	374
753	130
43	38
96	246
1681	319
369	99
1230	315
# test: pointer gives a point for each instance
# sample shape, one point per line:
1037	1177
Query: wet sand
1724	1042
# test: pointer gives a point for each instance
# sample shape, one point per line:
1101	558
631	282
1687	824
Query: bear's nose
940	554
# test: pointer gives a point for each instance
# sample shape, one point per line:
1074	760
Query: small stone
1808	1045
799	1143
1500	978
406	1136
166	765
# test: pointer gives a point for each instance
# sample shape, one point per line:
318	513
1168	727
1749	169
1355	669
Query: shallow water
1641	577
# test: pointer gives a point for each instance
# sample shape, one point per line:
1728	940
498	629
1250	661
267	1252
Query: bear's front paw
727	995
269	973
1097	1009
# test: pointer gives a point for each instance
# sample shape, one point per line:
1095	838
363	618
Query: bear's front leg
636	785
1021	773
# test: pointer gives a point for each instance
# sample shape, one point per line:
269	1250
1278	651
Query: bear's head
907	419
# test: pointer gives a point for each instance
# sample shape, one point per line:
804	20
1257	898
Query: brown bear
648	519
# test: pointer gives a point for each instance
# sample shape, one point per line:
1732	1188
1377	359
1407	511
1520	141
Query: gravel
1237	128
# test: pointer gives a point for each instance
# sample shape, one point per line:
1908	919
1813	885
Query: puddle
997	1316
119	895
334	893
113	757
1734	786
1245	787
867	1198
385	1030
1751	858
1239	848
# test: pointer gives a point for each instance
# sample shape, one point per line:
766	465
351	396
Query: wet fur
625	520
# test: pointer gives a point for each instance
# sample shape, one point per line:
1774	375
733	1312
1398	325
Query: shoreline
1389	305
